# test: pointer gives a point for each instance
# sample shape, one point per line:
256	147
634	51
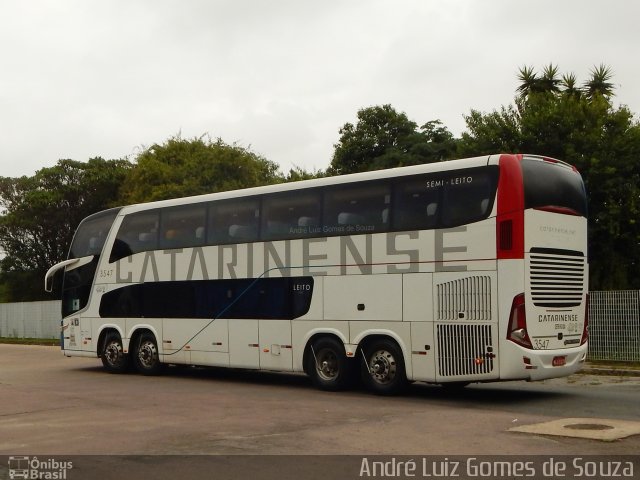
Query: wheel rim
327	364
148	354
113	354
383	367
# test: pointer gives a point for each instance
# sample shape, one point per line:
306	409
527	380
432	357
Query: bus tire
382	368
146	357
114	360
328	364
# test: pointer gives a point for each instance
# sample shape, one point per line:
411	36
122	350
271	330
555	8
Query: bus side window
138	233
233	221
290	215
416	202
468	201
180	226
360	208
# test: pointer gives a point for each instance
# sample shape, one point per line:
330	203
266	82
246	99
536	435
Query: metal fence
30	319
614	326
614	323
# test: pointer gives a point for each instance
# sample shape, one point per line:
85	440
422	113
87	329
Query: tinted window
549	184
91	234
76	287
444	200
358	208
269	298
468	195
234	221
417	203
291	215
138	233
183	227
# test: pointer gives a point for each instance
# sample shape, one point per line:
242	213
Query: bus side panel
363	297
244	343
423	359
417	309
275	345
210	346
172	343
417	297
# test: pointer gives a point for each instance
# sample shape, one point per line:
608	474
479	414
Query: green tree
298	173
41	213
181	167
599	83
531	82
583	128
385	138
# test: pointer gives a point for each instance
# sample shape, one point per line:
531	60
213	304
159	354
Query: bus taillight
585	329
518	323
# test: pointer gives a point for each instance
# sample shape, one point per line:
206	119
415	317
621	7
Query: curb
612	370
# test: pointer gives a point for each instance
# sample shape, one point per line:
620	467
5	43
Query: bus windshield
553	185
88	241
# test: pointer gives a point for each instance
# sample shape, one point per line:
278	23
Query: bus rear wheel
383	369
328	364
146	356
114	360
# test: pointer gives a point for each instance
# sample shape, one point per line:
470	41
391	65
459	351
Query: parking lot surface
50	404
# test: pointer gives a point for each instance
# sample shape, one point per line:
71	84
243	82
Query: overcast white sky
85	78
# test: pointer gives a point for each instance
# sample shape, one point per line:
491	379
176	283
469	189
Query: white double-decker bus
463	271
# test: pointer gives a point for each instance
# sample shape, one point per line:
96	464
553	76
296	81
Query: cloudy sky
85	78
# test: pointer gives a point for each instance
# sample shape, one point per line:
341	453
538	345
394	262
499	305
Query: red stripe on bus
510	209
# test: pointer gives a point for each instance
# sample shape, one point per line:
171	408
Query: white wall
30	319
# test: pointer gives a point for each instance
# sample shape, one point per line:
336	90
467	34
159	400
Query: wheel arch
136	330
102	335
314	335
140	330
367	337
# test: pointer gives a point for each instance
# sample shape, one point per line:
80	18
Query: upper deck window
444	200
183	227
291	215
234	221
468	195
138	233
357	208
91	234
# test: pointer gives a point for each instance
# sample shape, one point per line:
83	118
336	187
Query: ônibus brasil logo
36	469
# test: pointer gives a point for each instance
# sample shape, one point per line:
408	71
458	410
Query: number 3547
541	344
106	273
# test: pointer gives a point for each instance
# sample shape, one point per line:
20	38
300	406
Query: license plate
559	361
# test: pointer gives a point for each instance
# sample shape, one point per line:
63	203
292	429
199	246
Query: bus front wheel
146	357
112	354
328	364
382	368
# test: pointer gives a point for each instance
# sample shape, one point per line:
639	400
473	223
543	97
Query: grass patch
30	341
